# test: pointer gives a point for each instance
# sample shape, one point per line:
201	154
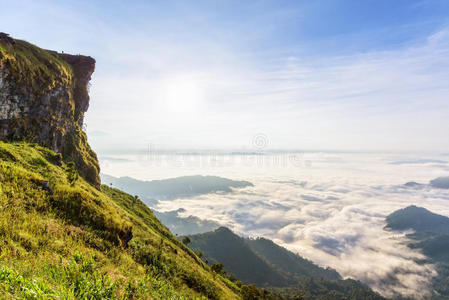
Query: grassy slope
28	62
78	242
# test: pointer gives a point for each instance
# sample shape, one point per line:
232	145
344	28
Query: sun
182	95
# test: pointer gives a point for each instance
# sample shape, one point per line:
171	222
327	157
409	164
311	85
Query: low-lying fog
328	207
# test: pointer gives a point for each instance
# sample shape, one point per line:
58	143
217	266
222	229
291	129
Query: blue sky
333	75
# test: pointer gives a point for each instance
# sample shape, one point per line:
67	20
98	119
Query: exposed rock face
43	98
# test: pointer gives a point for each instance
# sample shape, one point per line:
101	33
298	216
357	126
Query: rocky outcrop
43	98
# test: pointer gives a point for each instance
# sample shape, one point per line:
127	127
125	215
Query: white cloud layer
331	211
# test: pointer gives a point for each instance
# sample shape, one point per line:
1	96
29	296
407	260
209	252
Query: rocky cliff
43	98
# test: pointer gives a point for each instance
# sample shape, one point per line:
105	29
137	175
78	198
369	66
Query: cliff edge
43	98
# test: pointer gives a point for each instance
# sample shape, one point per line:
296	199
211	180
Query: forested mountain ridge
172	188
288	262
262	262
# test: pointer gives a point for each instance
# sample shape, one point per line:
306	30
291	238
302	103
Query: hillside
288	262
225	247
262	262
172	188
74	241
431	237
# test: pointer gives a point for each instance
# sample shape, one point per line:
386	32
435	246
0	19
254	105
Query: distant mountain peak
440	182
223	229
418	219
178	187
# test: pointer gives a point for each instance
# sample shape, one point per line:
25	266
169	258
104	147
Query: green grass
79	151
76	242
77	279
28	63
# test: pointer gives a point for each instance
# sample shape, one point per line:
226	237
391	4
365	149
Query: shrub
217	268
194	281
250	292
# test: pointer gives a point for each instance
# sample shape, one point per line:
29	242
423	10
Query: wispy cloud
360	101
211	77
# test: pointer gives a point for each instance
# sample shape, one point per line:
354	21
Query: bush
217	268
201	285
250	292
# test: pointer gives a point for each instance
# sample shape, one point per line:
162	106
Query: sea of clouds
328	207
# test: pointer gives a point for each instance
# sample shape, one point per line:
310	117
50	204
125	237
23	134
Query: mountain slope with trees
262	262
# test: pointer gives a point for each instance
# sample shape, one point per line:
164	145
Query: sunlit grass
72	241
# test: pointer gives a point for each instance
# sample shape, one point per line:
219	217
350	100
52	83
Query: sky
254	75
